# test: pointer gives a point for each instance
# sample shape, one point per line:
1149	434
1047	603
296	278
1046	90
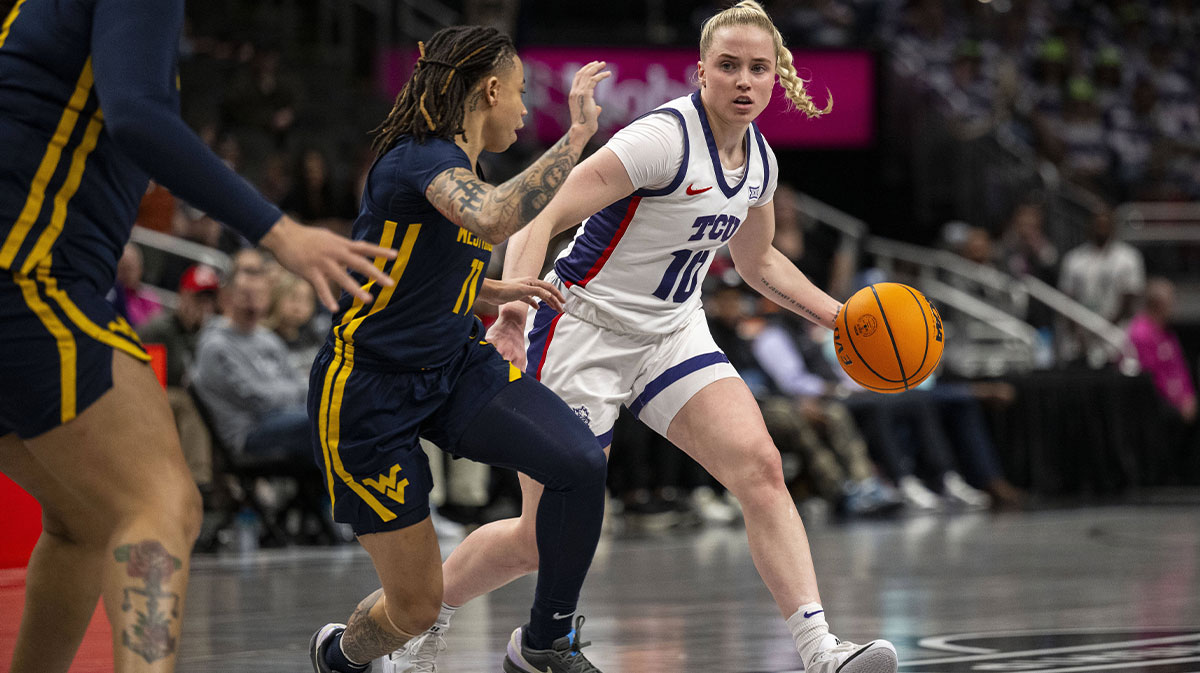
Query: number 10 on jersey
690	265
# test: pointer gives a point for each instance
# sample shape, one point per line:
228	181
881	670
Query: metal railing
157	246
935	272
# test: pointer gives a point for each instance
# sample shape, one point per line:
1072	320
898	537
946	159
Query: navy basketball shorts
57	340
367	422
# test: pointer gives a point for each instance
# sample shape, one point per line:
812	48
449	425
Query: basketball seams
863	360
925	319
850	338
891	337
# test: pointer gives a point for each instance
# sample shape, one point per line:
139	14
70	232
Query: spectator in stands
1078	137
1135	133
261	102
317	196
1025	249
806	417
1159	350
1107	276
244	377
137	303
1162	356
292	317
908	439
178	331
970	98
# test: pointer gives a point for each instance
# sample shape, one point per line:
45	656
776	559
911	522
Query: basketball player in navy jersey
88	110
657	201
413	363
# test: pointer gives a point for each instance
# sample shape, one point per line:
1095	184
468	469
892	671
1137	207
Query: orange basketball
888	337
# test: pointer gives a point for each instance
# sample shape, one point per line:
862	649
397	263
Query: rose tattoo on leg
150	561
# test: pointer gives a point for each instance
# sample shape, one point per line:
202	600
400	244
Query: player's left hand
527	290
321	257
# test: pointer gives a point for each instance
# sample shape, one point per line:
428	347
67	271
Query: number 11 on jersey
470	286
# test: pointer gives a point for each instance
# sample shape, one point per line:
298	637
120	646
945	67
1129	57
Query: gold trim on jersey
63	338
350	324
80	319
334	388
48	166
58	217
329	427
8	22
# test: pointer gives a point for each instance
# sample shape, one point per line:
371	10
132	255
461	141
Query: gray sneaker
418	655
877	656
319	643
562	657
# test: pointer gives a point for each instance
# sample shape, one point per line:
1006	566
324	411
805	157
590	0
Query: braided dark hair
432	102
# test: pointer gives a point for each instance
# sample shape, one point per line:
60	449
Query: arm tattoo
495	213
783	296
469	194
366	639
582	117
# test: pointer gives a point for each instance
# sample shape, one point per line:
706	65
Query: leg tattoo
365	637
150	562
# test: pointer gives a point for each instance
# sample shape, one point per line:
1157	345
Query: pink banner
645	78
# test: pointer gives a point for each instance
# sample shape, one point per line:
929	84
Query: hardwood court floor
1112	588
1107	588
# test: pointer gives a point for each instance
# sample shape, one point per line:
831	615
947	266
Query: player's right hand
321	257
582	100
507	334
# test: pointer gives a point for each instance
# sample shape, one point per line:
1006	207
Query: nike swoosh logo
693	192
558	616
813	613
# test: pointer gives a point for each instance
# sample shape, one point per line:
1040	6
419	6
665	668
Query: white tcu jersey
637	265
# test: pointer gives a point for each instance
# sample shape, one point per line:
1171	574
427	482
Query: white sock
810	631
443	619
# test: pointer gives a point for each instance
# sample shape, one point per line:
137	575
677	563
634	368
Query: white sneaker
917	496
713	508
418	655
877	656
959	493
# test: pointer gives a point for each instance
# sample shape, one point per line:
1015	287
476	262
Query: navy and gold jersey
425	318
89	108
57	158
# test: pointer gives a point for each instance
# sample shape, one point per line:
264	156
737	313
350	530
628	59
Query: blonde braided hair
750	13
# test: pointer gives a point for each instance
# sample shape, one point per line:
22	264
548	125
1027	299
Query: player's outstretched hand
527	290
582	99
321	257
507	334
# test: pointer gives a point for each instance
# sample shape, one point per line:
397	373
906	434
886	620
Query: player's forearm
523	258
515	203
779	280
160	144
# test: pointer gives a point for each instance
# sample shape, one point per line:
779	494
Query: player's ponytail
750	13
433	101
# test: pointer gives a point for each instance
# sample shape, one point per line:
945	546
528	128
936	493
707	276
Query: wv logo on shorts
388	486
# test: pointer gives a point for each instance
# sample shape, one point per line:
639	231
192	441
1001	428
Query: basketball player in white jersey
659	199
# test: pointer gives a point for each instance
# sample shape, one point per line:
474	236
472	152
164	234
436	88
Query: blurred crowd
1106	91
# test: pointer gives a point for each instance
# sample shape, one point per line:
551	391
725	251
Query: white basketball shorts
595	370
